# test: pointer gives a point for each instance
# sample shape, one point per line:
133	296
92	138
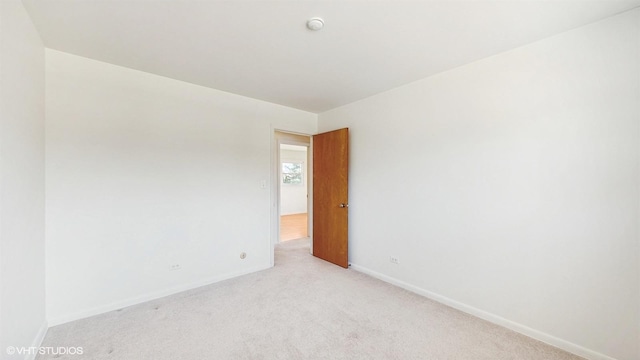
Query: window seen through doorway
292	173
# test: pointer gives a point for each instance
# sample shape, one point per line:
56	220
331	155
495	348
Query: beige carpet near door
303	308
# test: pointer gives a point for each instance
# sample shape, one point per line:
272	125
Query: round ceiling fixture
315	24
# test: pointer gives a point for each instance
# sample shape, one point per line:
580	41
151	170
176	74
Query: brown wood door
330	200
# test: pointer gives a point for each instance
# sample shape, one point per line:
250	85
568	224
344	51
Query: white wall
294	197
509	187
144	172
22	244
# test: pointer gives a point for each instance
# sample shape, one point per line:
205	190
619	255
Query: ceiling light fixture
315	24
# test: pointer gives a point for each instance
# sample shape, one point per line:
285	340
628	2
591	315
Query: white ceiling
262	49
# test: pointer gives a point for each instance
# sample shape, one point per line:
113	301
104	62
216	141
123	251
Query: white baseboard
37	341
59	320
538	335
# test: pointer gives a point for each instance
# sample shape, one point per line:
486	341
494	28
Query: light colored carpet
303	308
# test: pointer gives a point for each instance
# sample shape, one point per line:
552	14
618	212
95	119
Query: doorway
326	164
294	215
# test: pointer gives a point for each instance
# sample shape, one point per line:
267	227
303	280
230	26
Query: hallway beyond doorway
293	227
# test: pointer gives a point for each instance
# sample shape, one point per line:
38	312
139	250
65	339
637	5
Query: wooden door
330	200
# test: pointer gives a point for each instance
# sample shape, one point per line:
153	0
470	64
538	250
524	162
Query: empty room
437	179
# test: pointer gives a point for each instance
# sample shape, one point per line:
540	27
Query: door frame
276	141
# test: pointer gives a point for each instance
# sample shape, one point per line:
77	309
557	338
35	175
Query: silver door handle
343	205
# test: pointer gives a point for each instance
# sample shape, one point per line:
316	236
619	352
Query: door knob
343	205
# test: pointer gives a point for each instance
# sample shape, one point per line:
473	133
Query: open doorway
292	174
294	216
326	185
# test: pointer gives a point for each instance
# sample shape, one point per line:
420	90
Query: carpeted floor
303	308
